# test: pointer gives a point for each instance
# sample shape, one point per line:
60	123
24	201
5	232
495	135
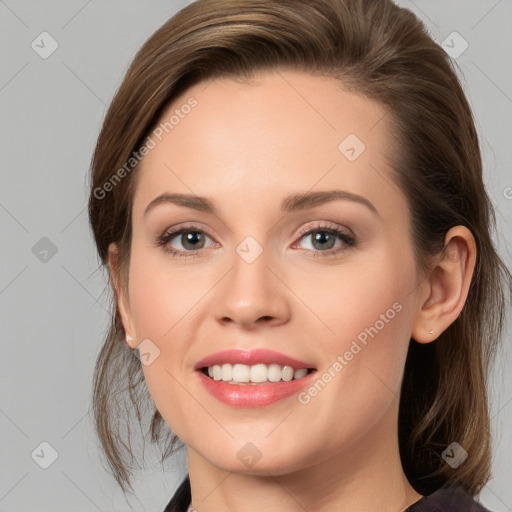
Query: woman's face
296	241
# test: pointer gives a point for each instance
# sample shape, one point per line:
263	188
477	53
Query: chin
249	458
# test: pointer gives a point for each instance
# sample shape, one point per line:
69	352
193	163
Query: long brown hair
384	52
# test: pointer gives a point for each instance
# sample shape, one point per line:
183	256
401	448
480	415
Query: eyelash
348	240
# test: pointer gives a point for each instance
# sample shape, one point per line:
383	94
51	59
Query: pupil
323	236
191	238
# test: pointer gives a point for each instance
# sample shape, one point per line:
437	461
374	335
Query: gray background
54	308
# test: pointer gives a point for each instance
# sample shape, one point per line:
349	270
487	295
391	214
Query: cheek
364	355
160	299
366	313
158	306
371	292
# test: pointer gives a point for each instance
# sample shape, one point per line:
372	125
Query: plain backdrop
54	309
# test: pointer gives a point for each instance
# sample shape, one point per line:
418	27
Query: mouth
254	378
254	374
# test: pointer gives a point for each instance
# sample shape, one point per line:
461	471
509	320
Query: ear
121	296
444	291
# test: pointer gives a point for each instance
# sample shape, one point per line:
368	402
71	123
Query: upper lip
251	357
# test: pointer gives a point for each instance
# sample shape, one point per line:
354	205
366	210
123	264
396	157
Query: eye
326	239
187	241
183	240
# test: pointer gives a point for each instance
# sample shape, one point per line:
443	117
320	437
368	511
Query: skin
246	147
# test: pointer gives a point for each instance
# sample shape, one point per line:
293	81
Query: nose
251	296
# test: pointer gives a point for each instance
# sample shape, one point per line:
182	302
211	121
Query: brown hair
384	52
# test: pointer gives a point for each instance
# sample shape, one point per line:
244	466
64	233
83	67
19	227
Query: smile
255	374
255	378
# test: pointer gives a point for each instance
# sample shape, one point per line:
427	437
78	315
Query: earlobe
121	296
447	286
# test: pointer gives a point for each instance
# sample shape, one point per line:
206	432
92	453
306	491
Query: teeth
227	372
300	373
258	373
274	373
240	373
217	372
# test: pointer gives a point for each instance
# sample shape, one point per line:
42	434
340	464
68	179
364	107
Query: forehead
282	131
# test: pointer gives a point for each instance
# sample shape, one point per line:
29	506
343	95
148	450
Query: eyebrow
295	202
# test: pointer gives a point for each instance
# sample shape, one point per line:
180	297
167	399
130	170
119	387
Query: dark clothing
447	500
181	499
443	500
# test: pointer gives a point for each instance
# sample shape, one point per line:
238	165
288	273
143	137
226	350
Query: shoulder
447	500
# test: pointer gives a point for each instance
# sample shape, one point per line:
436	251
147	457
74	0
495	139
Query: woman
288	197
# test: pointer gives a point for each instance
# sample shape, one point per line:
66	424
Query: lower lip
254	395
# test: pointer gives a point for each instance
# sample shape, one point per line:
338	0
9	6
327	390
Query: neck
361	478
